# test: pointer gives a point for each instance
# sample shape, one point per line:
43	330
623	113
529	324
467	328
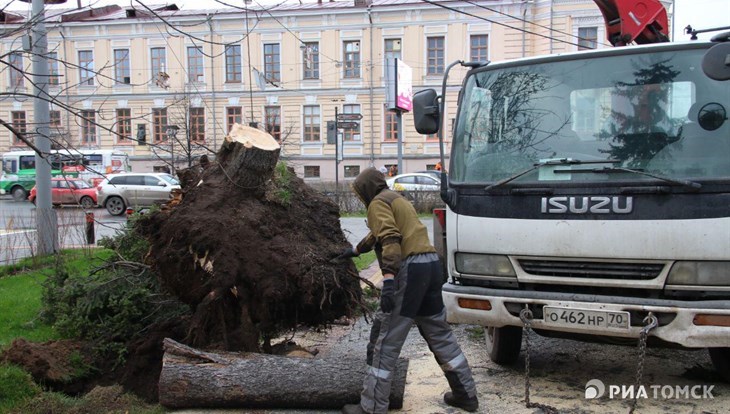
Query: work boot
465	403
353	409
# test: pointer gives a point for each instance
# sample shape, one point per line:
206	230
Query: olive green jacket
393	222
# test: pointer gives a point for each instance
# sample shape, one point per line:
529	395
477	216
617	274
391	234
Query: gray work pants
417	300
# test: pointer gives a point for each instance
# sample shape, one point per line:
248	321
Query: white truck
589	195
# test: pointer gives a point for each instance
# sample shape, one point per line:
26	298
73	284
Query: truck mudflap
692	324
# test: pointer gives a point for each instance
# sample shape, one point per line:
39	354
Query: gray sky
699	13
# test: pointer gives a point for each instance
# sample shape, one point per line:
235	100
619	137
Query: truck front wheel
503	344
721	361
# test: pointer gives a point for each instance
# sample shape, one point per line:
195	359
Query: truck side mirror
426	114
716	62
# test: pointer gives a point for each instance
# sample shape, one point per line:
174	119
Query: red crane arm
640	21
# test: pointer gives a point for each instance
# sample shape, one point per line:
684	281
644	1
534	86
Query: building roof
171	10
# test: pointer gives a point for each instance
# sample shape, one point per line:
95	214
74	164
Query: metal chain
650	322
526	318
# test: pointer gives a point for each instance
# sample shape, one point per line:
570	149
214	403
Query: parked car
434	173
68	190
414	182
137	190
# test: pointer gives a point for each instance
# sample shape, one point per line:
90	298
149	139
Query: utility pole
46	224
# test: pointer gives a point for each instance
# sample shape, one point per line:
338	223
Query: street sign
349	117
331	137
348	125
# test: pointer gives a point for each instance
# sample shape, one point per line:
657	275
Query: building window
124	125
272	60
272	119
391	126
392	49
435	52
311	123
479	48
18	121
55	117
86	67
311	171
587	38
197	124
16	70
351	134
157	60
195	64
233	64
54	77
352	171
159	124
234	115
88	127
310	57
121	66
352	59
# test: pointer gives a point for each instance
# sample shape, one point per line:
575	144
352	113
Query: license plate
584	318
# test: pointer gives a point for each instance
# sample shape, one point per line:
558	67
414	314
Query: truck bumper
681	329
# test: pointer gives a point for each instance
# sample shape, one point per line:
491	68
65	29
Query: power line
533	23
499	23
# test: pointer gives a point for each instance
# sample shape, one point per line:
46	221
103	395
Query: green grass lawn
21	287
19	308
364	260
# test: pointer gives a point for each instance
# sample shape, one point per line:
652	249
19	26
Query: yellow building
128	73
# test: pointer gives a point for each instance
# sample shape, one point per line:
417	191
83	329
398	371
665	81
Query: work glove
387	296
348	253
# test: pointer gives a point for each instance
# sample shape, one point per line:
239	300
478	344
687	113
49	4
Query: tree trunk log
196	379
248	157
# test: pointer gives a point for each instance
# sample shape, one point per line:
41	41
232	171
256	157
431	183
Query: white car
414	182
119	191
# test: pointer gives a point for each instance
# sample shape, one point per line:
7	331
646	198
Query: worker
393	171
411	293
438	166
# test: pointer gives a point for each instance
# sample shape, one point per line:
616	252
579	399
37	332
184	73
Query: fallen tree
247	245
193	378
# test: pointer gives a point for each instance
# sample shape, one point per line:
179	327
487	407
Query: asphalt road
18	227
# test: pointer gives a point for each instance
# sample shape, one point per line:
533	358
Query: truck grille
593	270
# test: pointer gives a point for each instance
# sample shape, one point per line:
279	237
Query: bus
588	197
92	165
18	168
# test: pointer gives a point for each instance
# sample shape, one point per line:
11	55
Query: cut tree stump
191	378
249	156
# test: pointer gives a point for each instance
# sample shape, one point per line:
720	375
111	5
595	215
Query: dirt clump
63	365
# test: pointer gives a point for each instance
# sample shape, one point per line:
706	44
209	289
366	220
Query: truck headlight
484	264
700	273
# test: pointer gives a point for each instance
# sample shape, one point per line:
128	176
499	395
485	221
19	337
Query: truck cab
591	189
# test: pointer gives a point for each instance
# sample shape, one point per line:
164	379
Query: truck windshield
651	112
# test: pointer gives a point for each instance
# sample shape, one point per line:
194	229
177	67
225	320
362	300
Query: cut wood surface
249	156
192	378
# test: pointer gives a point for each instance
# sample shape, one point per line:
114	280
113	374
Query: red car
73	191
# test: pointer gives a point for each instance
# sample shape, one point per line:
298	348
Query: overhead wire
535	24
499	23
